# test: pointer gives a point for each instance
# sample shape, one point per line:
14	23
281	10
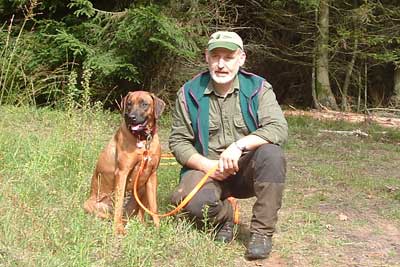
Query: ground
340	207
341	204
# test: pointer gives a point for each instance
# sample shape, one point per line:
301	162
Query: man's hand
228	161
201	163
208	164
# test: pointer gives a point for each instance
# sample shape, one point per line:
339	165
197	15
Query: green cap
225	39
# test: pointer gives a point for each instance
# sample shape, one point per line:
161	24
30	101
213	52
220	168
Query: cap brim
227	45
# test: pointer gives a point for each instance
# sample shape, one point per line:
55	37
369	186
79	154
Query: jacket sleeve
273	125
181	139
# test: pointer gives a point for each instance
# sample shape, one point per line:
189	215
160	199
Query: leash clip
146	156
148	141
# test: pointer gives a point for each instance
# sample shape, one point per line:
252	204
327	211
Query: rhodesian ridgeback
118	163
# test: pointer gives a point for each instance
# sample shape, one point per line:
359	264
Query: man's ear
242	58
206	55
159	106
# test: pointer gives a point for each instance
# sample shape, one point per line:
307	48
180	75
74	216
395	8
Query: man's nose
221	63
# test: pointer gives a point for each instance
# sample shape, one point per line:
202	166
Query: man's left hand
228	161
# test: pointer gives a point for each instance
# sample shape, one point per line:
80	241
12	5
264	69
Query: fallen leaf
329	227
391	188
343	217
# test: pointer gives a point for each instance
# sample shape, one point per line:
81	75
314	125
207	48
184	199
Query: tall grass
19	85
12	75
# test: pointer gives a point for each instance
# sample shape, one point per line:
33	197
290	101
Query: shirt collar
210	87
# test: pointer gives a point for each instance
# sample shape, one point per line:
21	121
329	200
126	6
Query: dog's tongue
137	127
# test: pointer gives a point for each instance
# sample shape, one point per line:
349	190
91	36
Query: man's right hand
217	175
201	163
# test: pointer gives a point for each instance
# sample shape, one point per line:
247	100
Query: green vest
197	104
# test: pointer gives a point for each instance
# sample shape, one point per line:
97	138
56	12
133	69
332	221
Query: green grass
47	158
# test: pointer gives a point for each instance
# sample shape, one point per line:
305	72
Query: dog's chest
142	173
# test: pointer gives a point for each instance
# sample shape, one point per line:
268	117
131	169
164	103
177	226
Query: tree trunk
396	86
345	104
313	91
323	89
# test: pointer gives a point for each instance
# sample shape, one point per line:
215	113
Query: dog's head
141	109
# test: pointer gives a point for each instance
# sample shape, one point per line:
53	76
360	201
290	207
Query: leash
168	157
143	163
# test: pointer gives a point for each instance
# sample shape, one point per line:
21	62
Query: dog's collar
144	137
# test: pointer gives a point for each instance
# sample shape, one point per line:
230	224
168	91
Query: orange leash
186	199
235	206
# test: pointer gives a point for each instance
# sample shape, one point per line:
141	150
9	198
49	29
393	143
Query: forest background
64	65
316	53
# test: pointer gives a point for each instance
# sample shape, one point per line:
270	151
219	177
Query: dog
119	162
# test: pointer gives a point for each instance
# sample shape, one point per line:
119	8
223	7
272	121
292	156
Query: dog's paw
156	221
120	229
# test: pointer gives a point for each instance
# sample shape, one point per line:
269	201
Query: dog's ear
122	105
159	106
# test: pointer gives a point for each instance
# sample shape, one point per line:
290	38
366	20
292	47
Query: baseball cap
225	39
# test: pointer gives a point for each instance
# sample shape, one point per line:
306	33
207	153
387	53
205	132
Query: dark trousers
262	174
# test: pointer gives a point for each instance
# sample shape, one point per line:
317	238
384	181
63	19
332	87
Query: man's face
224	64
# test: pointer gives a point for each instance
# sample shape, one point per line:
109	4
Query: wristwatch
240	147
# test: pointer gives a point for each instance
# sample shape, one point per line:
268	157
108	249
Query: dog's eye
144	104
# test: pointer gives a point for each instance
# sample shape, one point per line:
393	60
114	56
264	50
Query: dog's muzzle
135	124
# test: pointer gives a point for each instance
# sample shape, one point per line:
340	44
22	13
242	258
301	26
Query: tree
323	93
341	52
396	87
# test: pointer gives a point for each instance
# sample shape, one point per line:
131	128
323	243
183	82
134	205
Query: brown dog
119	162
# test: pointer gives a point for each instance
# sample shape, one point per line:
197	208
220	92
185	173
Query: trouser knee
269	164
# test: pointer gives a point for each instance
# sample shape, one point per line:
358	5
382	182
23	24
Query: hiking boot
259	247
225	233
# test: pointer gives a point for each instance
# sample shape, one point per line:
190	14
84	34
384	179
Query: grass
46	161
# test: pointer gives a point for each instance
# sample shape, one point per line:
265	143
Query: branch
109	13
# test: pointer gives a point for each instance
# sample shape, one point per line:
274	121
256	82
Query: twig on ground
357	132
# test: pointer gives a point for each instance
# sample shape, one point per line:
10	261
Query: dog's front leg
151	194
120	184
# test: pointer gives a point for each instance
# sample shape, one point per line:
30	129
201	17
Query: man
230	118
